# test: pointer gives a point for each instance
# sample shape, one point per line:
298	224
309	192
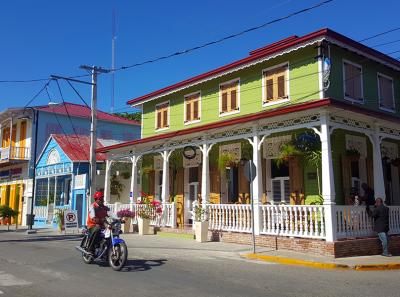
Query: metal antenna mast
113	59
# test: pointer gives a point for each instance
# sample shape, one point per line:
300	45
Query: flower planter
201	231
144	226
126	228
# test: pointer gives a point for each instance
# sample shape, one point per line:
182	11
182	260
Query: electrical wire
38	93
70	120
182	52
79	95
379	34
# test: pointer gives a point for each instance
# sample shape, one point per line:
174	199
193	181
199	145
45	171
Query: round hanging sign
189	152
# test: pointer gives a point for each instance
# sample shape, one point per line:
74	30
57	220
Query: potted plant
7	213
147	211
287	151
353	154
201	223
59	216
127	215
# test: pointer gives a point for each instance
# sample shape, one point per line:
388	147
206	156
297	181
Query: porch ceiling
307	115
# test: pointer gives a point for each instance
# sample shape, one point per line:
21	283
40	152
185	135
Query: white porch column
133	190
256	185
379	183
205	174
107	192
328	183
165	177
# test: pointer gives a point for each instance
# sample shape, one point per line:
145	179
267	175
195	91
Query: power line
38	93
380	34
386	43
70	120
225	38
79	95
38	79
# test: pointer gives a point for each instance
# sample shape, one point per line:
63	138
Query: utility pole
93	137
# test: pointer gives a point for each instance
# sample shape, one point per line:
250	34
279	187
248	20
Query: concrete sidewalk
179	244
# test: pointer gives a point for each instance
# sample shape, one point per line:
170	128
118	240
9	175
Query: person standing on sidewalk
380	214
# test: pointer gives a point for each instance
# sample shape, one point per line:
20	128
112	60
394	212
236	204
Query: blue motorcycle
110	247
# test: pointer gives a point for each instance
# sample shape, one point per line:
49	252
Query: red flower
159	210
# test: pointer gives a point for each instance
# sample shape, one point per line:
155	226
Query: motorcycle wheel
118	259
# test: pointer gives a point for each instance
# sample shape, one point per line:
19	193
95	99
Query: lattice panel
390	131
289	123
272	145
390	150
351	122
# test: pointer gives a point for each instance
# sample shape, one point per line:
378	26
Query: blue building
20	128
62	172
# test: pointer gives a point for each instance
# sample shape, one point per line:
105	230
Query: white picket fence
293	220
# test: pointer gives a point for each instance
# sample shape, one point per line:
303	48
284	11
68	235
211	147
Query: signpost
71	220
250	174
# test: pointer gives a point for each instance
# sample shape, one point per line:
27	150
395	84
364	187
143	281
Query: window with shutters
385	92
192	108
162	116
352	82
276	84
280	183
229	97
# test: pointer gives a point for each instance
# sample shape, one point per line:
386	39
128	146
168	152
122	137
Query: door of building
191	193
79	207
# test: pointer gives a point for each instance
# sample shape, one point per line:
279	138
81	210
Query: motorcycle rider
98	212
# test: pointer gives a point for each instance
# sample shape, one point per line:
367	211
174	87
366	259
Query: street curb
321	265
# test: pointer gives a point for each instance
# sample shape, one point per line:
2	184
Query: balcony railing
14	153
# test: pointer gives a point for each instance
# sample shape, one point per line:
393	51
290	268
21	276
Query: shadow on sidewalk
135	265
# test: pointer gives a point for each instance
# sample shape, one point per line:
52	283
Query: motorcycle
109	248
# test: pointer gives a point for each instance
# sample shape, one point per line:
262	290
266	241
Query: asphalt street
42	265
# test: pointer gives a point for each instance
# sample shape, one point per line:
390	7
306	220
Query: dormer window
229	97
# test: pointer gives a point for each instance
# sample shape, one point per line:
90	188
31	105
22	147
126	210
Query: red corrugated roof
267	51
81	111
77	148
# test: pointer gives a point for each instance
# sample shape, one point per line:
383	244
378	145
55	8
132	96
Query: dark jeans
94	233
383	236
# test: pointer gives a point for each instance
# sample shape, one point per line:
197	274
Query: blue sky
39	38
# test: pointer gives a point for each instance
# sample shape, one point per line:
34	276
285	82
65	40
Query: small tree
8	213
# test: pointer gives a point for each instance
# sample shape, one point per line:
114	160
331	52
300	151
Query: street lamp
30	217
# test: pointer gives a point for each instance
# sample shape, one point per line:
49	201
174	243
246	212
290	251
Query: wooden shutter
349	85
386	92
296	176
281	86
188	112
196	110
270	89
224	103
158	119
346	178
165	117
233	99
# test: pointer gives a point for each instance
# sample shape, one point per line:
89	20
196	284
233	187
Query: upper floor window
352	81
162	115
229	97
192	107
275	84
385	92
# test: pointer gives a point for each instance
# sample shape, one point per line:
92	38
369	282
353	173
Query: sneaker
387	255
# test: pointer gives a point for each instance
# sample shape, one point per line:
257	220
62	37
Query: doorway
191	193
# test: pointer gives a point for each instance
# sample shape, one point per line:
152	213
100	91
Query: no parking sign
71	219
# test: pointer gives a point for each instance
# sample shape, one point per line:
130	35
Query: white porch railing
40	211
353	221
229	217
293	220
